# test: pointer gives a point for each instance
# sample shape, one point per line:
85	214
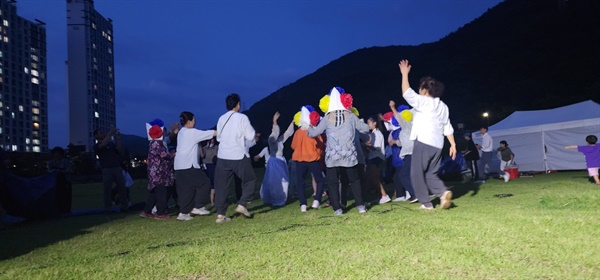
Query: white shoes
184	217
316	204
506	177
385	199
154	210
302	208
200	211
400	199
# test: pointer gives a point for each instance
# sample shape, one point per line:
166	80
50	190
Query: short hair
433	86
184	117
375	119
484	127
503	142
591	139
232	100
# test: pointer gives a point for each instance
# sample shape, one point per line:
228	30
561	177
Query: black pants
157	197
315	169
333	182
63	194
193	189
402	180
473	165
224	172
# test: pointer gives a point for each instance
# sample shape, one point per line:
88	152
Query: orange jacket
306	149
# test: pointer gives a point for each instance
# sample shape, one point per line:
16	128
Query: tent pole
544	150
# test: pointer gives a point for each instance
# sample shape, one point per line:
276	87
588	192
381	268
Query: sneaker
414	200
338	212
162	217
506	177
385	199
302	208
200	211
242	210
407	195
222	219
362	209
316	204
184	217
154	210
423	207
446	200
399	199
143	214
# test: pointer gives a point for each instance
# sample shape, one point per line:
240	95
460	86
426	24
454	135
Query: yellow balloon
297	118
324	103
354	110
406	115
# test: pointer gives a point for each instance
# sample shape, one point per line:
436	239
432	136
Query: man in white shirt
487	152
233	130
431	123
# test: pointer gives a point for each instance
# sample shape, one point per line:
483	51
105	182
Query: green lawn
548	229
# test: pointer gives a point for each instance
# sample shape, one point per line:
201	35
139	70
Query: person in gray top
340	125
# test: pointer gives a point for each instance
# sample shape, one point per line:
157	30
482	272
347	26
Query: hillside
519	55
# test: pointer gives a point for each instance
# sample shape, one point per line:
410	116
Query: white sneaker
506	177
385	199
399	199
200	211
302	208
362	209
242	210
154	210
184	217
222	219
407	195
316	204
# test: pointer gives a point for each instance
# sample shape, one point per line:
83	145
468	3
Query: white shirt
487	143
431	120
378	146
233	130
187	147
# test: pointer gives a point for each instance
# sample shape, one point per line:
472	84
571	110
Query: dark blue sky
175	55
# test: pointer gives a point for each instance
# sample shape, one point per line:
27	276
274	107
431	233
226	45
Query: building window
21	108
34	118
36	125
95	100
96	114
35	81
14	148
5	39
27	149
36	149
35	73
34	58
5	22
36	141
35	111
35	103
26	70
27	140
12	114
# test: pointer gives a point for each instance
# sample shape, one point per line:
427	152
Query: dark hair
375	119
504	143
467	134
231	101
434	87
591	139
58	150
185	117
485	127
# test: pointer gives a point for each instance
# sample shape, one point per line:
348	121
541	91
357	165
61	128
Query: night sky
176	55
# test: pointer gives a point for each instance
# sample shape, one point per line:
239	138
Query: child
592	156
430	123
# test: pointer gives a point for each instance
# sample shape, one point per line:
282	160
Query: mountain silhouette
518	55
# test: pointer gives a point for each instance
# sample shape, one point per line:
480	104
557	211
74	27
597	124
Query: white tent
538	138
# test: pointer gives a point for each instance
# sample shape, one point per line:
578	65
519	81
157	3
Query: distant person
63	190
591	151
404	116
109	155
375	160
487	153
160	173
274	187
431	123
471	155
193	186
340	124
210	159
234	129
506	155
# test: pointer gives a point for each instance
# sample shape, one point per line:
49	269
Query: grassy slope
547	229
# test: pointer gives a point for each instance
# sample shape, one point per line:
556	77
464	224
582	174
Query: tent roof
579	111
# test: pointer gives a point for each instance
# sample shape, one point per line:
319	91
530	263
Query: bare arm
452	146
404	69
571	147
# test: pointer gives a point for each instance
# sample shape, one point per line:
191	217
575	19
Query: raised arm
288	132
404	69
571	147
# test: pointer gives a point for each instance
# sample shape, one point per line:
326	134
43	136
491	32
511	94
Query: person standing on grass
507	157
471	155
430	123
234	129
591	151
160	173
340	124
63	189
486	156
209	157
307	155
375	159
193	186
109	155
404	116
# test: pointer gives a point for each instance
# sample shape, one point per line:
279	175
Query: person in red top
307	155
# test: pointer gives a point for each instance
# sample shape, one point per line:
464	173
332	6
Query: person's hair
503	142
484	127
591	139
467	134
58	150
433	86
375	119
232	100
185	117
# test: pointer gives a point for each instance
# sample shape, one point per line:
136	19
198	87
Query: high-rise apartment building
90	73
23	82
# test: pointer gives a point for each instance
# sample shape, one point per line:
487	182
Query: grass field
548	229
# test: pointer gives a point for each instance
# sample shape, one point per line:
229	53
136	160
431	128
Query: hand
404	67
453	152
256	158
215	133
276	116
391	141
392	104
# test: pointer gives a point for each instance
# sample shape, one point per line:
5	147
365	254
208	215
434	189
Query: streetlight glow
485	115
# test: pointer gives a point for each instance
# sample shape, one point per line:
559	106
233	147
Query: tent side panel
559	158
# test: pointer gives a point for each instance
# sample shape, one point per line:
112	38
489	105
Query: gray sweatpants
423	172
